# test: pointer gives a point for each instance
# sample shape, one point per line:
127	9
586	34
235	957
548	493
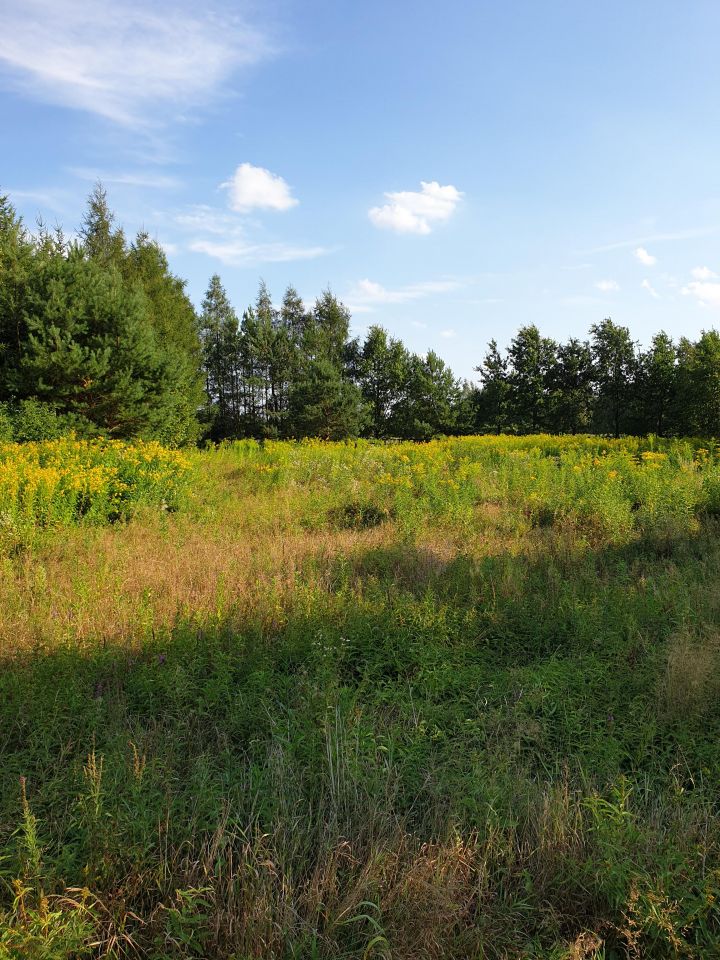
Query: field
456	699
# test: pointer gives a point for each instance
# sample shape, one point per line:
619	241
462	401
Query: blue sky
452	170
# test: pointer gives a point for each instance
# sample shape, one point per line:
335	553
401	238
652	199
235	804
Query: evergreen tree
571	380
90	349
383	369
98	238
532	358
293	315
699	385
493	400
173	317
324	404
219	337
615	365
431	399
16	267
655	388
329	331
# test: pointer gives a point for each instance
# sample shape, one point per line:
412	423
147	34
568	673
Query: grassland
457	699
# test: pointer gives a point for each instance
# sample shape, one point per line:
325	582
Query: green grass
446	700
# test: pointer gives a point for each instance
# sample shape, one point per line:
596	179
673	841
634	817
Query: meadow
312	701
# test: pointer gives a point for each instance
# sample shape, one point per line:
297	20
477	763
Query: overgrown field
458	699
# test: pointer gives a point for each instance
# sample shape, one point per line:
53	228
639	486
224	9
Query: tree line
606	384
99	336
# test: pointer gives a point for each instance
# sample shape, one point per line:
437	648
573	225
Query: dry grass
691	684
111	584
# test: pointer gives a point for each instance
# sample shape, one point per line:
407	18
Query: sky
451	170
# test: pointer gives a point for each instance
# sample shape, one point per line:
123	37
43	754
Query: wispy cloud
417	212
690	234
646	285
447	334
223	235
366	294
206	219
57	200
238	252
255	188
121	59
607	286
131	178
647	259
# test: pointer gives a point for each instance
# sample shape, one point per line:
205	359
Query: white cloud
707	294
237	252
123	59
644	257
205	219
366	294
447	334
690	234
646	285
222	235
57	200
416	211
133	178
608	286
703	273
252	188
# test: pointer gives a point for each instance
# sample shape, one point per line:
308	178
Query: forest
99	337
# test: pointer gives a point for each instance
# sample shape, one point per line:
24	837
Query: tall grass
364	700
61	482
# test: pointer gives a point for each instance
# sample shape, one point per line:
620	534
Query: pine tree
699	385
531	361
16	267
383	369
91	350
220	344
294	315
431	398
493	401
173	317
656	386
323	404
615	365
98	238
571	385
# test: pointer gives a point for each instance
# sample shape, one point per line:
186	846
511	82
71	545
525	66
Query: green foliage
615	366
531	358
101	335
454	699
32	420
323	404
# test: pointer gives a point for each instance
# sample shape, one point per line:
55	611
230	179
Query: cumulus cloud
703	273
366	294
644	257
413	211
607	286
255	188
646	285
122	59
706	293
